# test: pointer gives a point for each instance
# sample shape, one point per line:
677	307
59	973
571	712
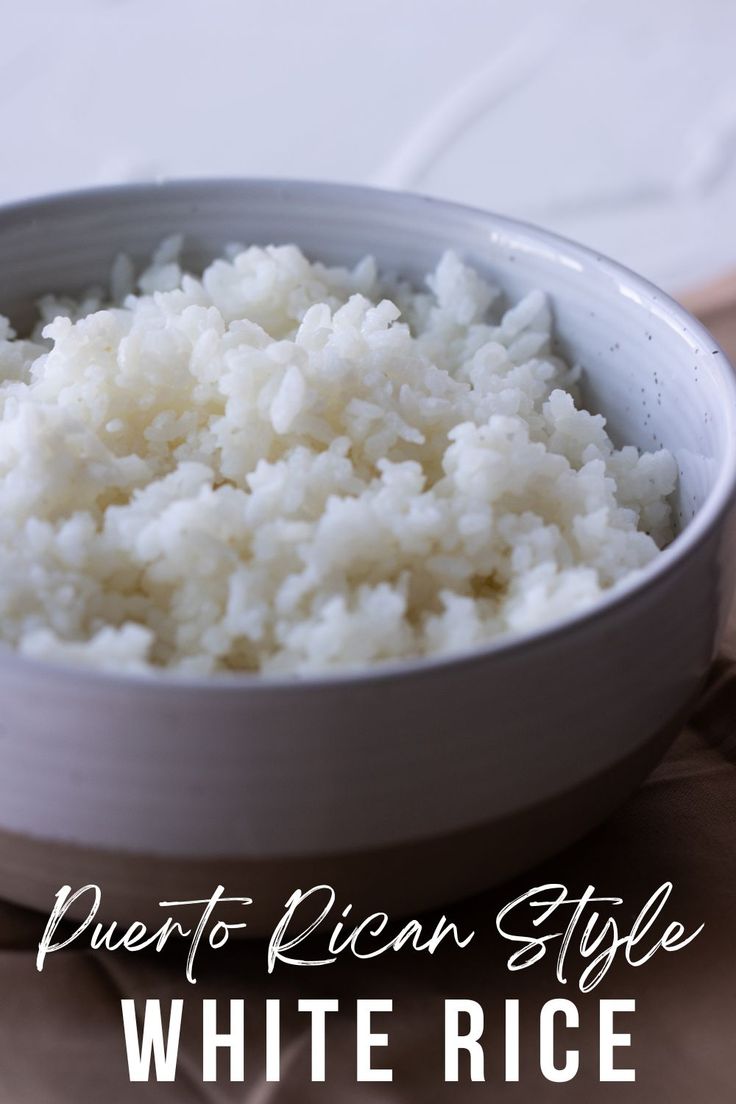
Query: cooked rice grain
275	467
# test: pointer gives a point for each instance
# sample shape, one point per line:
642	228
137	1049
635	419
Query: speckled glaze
405	784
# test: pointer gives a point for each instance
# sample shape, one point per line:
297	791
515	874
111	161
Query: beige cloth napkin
61	1037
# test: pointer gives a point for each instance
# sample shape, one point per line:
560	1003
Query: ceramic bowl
408	785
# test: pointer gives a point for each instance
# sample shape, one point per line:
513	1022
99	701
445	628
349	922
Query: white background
614	123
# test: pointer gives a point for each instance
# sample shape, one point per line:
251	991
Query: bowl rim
707	519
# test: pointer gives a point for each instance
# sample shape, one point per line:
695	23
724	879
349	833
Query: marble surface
613	123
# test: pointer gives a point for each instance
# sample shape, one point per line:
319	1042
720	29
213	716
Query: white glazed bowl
407	785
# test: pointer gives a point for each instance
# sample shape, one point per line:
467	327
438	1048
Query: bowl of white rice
346	537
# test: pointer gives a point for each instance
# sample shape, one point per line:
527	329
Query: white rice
274	468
